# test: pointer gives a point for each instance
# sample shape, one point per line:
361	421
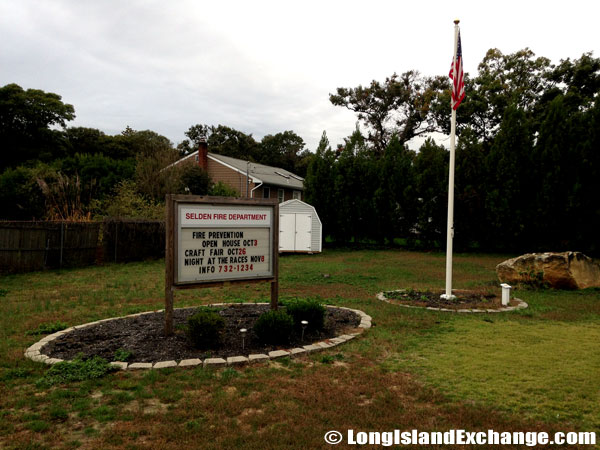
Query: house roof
260	173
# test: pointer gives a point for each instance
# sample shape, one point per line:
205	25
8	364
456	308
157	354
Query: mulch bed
464	299
143	336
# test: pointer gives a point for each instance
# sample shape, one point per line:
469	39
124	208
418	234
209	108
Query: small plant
330	359
274	327
310	310
47	328
204	328
228	374
12	374
3	292
76	370
58	413
39	426
122	355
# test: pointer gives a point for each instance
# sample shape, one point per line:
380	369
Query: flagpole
450	228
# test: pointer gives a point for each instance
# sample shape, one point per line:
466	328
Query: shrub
310	310
204	328
122	355
128	202
220	189
274	327
195	179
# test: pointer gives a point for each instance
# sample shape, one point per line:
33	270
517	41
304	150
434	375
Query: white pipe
256	187
505	294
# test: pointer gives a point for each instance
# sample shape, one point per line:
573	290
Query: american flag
457	77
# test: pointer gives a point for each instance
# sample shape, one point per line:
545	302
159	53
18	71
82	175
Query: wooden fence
30	246
125	240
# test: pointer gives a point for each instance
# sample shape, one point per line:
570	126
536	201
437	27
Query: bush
195	179
274	327
122	355
204	328
220	189
310	310
128	202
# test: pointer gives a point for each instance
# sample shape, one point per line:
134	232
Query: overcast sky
261	67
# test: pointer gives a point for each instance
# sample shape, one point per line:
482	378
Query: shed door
287	232
303	232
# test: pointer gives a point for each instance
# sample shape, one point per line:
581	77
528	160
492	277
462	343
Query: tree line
51	171
527	159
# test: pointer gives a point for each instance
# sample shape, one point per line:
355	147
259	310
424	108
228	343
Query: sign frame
173	227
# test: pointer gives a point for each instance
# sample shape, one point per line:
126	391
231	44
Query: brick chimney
203	154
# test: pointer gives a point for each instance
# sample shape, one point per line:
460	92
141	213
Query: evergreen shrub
306	309
204	328
274	327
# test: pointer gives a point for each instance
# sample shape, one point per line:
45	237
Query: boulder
567	270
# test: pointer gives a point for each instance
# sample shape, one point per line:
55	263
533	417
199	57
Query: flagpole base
448	297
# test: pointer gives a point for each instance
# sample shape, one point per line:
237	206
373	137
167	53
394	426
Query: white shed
300	229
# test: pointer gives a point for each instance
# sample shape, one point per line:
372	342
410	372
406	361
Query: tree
511	182
195	180
304	159
318	184
20	195
26	118
399	106
470	222
557	160
431	191
281	150
155	175
198	132
393	197
147	143
222	140
587	207
98	173
579	80
127	202
82	140
518	80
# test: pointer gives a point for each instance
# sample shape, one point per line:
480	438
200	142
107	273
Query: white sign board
223	242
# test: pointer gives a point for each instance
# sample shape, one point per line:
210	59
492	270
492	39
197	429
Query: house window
297	195
266	192
280	195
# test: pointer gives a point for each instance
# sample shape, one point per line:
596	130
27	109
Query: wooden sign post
212	241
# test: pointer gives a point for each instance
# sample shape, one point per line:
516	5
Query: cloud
261	66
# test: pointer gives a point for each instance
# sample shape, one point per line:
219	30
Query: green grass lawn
536	369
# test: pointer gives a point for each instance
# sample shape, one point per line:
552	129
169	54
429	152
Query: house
249	179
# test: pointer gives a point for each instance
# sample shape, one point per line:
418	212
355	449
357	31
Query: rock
567	270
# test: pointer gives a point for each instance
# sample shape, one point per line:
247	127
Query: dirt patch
143	336
464	299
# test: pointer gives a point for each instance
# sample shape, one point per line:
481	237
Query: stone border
35	351
521	305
